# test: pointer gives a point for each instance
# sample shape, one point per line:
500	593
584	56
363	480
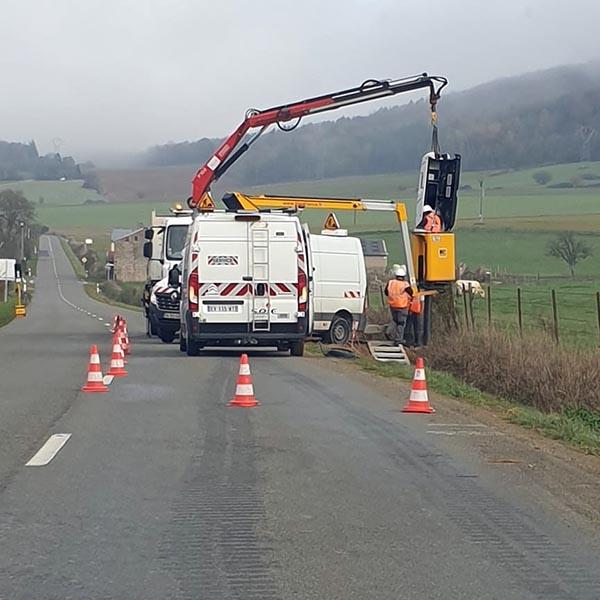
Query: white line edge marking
49	450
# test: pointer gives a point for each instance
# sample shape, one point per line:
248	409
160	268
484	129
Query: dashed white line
49	450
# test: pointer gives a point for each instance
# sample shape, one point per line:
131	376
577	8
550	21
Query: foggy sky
121	75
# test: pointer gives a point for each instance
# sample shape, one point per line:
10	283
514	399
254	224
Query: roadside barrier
117	366
94	381
419	399
244	390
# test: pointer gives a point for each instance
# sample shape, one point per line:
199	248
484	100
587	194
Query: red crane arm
372	89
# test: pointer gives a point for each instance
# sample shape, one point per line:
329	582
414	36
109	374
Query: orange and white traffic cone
116	322
117	366
95	382
244	390
124	337
419	400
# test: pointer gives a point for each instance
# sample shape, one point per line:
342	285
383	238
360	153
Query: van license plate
168	315
222	308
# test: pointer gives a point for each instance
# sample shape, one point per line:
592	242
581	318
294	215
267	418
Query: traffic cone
124	337
115	323
419	401
94	381
244	390
117	367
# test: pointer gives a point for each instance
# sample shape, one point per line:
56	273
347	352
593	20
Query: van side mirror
174	277
148	250
149	233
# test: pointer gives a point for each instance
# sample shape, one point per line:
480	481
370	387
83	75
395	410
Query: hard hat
427	208
400	270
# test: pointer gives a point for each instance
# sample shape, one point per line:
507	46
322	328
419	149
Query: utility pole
481	197
22	249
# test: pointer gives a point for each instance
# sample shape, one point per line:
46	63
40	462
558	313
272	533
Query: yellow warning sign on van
331	222
206	203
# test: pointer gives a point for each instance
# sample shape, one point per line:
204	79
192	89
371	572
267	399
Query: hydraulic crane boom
239	201
232	148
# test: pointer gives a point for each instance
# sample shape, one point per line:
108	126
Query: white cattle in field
469	285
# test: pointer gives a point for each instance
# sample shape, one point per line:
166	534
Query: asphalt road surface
325	491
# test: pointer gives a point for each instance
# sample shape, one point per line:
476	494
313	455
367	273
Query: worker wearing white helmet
431	223
399	294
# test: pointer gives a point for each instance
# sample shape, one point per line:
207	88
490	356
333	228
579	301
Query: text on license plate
169	315
222	308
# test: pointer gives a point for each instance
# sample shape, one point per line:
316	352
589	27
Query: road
325	491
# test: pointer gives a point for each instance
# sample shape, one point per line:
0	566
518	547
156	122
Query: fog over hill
539	118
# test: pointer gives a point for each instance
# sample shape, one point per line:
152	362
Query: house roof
373	247
118	234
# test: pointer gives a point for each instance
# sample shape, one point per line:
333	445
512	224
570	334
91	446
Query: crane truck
265	224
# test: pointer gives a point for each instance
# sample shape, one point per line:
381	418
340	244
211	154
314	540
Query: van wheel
192	348
297	348
182	343
340	331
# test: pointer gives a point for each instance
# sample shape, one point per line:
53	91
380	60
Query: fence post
598	310
489	305
464	295
554	316
472	317
519	312
382	295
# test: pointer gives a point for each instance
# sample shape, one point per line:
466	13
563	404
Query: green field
55	193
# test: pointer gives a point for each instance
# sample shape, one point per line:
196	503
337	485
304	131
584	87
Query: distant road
326	491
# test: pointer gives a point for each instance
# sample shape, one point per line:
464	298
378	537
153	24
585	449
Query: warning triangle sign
331	222
206	203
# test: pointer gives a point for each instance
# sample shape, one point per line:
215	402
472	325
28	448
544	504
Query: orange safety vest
433	223
397	295
416	306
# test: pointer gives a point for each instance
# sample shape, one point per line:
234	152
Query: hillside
514	122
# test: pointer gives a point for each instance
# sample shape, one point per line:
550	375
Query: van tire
182	343
192	348
297	348
340	331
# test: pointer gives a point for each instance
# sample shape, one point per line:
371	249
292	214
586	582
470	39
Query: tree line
23	161
546	117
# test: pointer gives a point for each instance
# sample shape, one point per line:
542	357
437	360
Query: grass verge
90	290
7	311
578	427
75	262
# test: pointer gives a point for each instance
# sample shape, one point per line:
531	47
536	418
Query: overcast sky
121	75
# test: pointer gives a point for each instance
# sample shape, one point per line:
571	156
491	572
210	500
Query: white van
244	282
338	287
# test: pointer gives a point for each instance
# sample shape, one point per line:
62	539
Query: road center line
49	450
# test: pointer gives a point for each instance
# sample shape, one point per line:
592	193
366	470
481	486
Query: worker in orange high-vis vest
432	222
412	335
399	294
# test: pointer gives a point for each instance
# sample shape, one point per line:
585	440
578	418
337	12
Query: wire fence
568	315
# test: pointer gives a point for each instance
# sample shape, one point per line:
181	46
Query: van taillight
193	291
302	290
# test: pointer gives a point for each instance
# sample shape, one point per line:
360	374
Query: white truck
164	249
261	279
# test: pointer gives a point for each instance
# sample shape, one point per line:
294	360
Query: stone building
375	253
127	253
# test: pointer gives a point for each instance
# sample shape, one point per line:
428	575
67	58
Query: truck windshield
176	235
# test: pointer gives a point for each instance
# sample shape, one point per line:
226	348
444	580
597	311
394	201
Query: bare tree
569	249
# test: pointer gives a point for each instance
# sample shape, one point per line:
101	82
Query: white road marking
49	450
108	379
100	319
93	316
